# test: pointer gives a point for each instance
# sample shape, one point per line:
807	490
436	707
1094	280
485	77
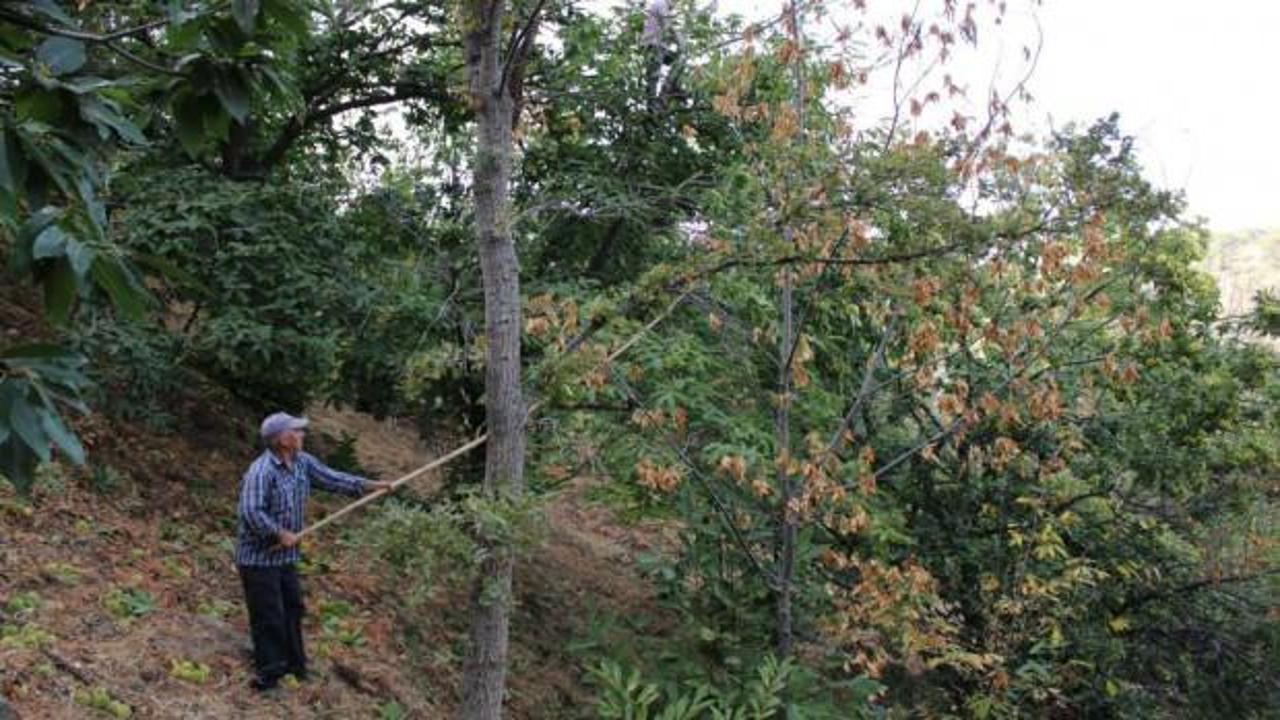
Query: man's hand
287	539
381	486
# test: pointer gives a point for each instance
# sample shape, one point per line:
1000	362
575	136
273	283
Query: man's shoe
263	684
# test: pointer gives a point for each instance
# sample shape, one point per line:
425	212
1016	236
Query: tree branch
23	21
1140	600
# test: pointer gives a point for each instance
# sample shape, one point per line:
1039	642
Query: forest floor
118	596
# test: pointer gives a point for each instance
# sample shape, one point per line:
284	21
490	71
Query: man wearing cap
273	498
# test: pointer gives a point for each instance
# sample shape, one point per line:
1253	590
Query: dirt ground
118	597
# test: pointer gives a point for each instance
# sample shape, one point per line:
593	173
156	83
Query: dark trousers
274	599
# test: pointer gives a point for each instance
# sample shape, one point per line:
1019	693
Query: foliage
129	603
100	699
392	710
23	602
440	546
427	547
189	670
65	573
343	456
263	315
1244	264
135	368
36	381
27	635
106	479
1266	314
950	410
338	625
410	318
944	418
72	96
216	608
765	692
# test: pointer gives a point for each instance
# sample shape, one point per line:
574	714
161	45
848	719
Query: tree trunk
789	487
786	531
484	673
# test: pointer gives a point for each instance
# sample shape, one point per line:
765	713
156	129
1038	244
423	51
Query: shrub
136	367
264	277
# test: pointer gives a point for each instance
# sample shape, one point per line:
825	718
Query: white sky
1195	82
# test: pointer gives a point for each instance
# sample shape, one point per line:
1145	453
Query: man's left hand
381	486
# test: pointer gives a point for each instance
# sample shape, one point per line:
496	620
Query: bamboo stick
442	460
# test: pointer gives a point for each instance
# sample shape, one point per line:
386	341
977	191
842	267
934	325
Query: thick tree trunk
484	674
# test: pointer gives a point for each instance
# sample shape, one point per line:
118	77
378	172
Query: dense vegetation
949	420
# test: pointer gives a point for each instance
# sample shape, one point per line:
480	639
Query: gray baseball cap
276	423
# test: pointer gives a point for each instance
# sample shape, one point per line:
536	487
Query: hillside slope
118	596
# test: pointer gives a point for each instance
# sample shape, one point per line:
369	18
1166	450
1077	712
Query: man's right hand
287	539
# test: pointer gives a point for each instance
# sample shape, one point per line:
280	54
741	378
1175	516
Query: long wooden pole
352	507
479	440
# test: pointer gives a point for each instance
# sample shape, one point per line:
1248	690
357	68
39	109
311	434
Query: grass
23	602
64	573
98	698
129	603
27	635
189	670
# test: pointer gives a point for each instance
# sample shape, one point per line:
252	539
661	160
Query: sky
1195	82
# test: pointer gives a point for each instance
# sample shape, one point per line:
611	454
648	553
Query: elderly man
273	498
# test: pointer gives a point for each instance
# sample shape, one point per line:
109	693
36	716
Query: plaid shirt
273	497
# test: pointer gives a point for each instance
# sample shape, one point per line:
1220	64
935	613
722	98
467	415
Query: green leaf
246	14
231	91
118	282
81	257
102	113
17	463
37	351
77	160
171	271
45	106
59	292
183	37
50	243
189	124
13	165
199	118
87	84
62	55
52	170
52	10
26	425
50	363
38	221
20	258
292	16
97	211
178	14
61	435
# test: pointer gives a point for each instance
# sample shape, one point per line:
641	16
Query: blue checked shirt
274	497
